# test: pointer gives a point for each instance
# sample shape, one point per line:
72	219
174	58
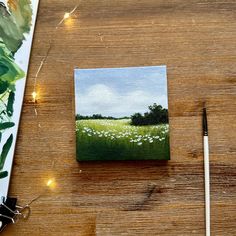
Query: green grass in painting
118	140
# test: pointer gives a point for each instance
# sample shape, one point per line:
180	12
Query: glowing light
34	96
50	182
66	16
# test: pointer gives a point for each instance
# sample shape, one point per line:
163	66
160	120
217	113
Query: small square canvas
122	114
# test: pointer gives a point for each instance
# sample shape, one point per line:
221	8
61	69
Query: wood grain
196	40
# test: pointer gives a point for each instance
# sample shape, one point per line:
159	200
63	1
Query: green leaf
3	174
7	60
3	69
5	151
10	103
6	125
15	22
3	84
0	137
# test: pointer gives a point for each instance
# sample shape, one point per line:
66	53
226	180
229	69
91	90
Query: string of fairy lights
50	182
34	94
24	212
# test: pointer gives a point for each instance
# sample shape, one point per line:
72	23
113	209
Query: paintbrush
207	171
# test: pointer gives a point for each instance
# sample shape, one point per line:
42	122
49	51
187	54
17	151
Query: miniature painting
122	114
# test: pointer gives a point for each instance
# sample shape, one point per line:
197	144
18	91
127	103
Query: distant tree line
99	117
156	115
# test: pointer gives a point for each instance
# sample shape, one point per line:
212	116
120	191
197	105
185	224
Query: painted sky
119	92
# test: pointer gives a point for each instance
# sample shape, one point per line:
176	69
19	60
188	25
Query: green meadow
107	139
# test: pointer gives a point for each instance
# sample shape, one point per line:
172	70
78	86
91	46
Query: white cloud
101	99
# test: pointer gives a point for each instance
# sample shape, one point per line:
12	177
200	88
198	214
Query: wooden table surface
196	40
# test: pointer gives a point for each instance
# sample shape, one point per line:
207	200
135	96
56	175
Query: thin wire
41	65
36	198
51	42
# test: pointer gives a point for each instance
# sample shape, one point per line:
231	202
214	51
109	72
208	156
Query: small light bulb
67	15
34	95
50	182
